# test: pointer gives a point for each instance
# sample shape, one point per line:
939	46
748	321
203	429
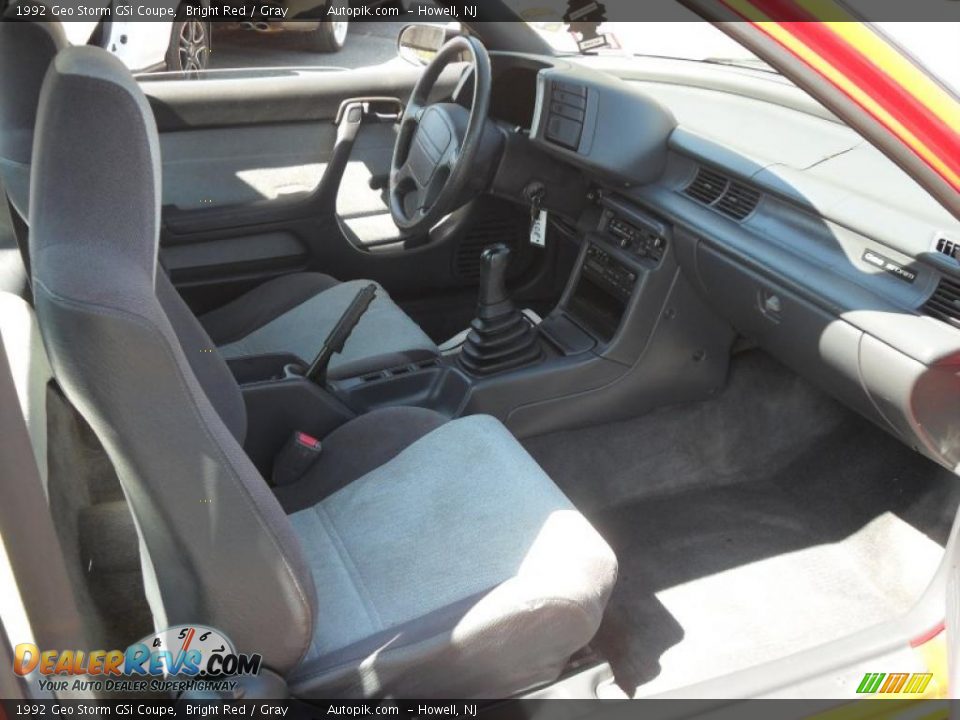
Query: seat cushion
294	314
354	449
456	569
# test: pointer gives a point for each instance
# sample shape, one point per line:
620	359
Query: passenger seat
425	557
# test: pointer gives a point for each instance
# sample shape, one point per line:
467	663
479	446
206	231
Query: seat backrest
218	548
26	51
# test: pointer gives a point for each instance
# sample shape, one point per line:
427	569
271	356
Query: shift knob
493	275
501	337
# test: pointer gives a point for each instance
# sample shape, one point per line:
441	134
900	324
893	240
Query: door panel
256	170
269	253
231	98
206	169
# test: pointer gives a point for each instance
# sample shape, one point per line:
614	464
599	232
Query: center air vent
738	201
944	304
731	198
707	186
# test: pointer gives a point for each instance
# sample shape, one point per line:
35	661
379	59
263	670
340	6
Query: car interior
291	366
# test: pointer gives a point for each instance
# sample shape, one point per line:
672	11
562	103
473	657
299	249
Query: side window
196	44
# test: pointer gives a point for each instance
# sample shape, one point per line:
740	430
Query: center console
627	245
628	334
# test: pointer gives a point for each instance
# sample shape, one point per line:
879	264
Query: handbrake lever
317	372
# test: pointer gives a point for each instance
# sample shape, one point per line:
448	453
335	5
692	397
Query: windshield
698	41
932	45
685	37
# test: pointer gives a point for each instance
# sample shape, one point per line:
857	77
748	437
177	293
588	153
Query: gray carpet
767	521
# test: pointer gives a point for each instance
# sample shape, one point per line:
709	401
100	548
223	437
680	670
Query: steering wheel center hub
431	144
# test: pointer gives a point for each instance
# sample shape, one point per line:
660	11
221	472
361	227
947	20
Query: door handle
360	109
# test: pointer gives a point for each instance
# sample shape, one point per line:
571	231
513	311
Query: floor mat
751	527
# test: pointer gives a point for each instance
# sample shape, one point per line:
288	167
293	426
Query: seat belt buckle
296	458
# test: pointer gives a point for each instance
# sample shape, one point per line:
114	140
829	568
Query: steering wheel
430	174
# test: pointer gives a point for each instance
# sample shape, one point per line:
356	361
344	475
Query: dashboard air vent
944	304
948	247
707	186
738	201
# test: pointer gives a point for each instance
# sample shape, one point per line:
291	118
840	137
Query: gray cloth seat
294	314
436	568
288	315
421	557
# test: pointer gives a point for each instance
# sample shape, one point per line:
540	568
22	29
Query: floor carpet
764	522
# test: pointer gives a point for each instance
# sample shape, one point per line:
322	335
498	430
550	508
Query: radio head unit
639	240
640	234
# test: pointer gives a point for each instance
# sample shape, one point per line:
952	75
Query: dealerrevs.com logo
183	657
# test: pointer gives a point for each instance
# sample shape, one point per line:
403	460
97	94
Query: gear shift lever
493	277
500	338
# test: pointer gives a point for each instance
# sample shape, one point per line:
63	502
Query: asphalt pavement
368	44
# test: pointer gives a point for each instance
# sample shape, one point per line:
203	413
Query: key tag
538	223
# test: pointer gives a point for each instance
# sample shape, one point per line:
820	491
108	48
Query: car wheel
331	35
189	49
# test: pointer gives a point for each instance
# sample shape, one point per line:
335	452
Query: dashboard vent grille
944	304
707	186
948	247
731	198
738	201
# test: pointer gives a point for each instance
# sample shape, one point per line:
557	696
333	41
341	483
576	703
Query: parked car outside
185	44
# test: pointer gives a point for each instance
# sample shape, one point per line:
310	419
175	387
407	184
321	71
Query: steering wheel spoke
402	176
449	159
413	111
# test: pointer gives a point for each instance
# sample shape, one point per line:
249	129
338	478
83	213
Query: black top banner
572	12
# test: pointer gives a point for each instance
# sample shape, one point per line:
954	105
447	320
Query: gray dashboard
582	117
609	128
800	234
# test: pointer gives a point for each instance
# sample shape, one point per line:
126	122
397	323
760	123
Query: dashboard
579	116
796	232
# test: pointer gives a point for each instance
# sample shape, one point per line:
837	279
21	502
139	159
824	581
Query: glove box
810	340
